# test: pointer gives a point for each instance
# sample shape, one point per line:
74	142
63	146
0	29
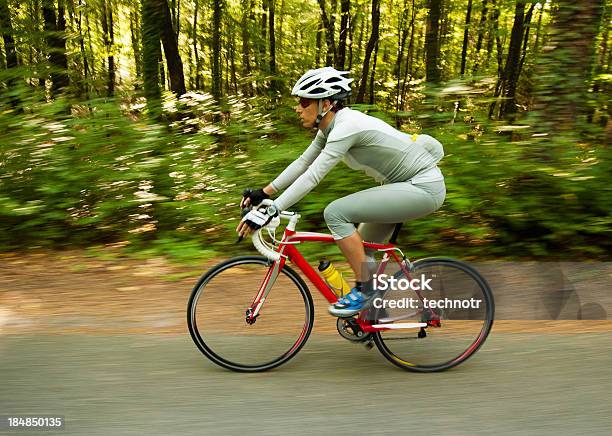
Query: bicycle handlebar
262	246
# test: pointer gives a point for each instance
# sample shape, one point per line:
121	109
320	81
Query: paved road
155	384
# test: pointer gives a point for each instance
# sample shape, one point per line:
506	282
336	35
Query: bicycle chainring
349	329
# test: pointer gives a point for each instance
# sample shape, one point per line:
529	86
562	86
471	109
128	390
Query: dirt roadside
71	292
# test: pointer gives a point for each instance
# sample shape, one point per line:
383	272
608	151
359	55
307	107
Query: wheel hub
250	319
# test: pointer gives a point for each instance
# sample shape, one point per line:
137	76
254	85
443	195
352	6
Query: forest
137	124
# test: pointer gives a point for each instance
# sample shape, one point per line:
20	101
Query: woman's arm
298	166
269	189
288	176
334	151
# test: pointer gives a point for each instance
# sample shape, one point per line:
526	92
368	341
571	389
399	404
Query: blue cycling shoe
354	302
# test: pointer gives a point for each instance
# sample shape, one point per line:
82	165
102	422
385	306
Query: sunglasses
305	102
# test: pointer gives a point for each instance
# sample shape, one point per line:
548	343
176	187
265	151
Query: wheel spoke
219	323
462	305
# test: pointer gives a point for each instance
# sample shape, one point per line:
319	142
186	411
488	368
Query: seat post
396	231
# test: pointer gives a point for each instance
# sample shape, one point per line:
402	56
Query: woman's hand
252	197
255	219
243	229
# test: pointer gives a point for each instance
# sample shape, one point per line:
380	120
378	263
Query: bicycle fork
253	311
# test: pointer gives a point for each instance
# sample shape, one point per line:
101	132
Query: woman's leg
381	208
360	259
352	248
387	204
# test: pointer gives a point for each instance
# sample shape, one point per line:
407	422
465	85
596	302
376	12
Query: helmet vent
309	84
322	83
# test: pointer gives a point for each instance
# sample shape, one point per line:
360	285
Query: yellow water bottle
333	278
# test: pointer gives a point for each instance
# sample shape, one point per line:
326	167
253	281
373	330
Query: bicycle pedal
369	345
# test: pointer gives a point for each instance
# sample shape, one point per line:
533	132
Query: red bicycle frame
288	251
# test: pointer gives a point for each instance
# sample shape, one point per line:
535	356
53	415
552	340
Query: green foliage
80	170
100	176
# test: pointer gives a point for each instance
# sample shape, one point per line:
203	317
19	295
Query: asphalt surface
518	383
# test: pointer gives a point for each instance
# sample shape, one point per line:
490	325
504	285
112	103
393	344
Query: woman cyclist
412	186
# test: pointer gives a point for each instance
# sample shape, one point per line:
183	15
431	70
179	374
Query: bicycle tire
214	355
489	313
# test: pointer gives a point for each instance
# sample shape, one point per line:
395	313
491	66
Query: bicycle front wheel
456	307
216	315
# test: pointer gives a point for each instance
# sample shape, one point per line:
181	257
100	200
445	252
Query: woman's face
307	110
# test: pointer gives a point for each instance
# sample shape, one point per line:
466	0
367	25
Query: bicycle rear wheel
459	315
216	315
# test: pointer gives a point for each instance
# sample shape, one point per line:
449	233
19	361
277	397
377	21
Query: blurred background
128	130
140	123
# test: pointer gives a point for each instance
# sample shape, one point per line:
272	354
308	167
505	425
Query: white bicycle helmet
322	83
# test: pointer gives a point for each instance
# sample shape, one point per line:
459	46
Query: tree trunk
90	44
225	55
177	26
600	85
107	28
494	37
31	56
279	39
500	71
264	38
319	44
329	23
111	58
55	28
135	34
373	75
345	10
162	69
401	44
446	23
232	56
246	64
369	49
70	13
194	37
510	77
216	51
82	47
536	44
526	38
498	41
362	25
351	30
408	68
151	53
171	50
175	14
273	82
465	36
481	32
9	46
7	35
432	48
566	62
